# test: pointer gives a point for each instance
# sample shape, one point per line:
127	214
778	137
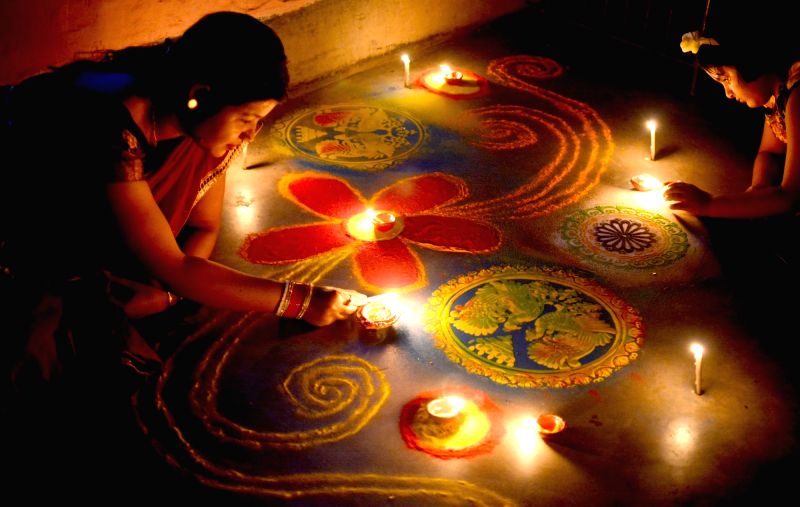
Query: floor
509	194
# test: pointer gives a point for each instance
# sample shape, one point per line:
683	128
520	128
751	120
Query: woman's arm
202	228
148	235
759	200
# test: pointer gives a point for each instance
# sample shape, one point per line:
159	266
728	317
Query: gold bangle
306	301
286	296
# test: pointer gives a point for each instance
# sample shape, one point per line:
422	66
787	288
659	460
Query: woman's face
232	126
754	94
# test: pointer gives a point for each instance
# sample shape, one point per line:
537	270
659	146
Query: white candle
697	350
406	69
652	126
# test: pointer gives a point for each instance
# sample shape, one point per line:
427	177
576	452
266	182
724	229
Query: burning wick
550	423
406	69
697	350
445	407
651	124
645	183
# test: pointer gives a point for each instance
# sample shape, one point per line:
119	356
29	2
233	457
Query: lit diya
452	423
377	316
377	313
382	221
458	84
550	423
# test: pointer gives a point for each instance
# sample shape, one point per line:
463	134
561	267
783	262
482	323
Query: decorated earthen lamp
550	424
376	317
446	412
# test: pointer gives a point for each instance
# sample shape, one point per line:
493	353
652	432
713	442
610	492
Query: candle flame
445	69
697	350
651	124
405	58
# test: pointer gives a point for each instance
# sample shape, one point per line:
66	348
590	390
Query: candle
697	350
407	70
652	126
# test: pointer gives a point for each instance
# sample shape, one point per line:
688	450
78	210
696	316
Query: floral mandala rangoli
533	327
382	258
624	237
355	136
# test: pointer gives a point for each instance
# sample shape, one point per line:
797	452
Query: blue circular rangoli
533	327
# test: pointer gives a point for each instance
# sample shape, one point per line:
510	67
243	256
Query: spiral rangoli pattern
578	142
339	393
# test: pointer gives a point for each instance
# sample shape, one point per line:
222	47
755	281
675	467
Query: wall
321	36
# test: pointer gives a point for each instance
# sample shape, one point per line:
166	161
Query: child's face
232	126
753	94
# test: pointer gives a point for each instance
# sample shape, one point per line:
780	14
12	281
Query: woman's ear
197	95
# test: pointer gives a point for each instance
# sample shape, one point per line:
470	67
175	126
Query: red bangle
296	298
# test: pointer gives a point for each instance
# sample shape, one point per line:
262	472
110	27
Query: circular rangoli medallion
356	136
533	327
624	237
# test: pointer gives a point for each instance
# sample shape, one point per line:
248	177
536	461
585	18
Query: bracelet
296	299
283	302
306	301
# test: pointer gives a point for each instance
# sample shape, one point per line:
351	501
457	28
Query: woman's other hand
329	304
687	197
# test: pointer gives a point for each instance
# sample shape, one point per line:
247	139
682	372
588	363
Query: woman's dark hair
239	59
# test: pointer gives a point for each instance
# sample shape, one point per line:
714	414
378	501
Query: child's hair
757	41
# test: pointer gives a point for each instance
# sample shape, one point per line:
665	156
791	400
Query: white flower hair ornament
691	42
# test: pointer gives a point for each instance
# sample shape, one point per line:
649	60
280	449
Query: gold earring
192	104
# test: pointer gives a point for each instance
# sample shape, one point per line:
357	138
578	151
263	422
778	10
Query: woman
125	163
757	79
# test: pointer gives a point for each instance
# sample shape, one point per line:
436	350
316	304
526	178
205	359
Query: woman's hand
329	304
687	197
143	299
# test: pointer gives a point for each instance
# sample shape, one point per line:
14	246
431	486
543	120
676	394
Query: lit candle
652	126
407	70
697	350
445	407
645	183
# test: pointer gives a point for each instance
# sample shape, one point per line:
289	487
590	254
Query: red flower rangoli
377	233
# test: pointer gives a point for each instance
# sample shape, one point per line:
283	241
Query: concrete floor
641	436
